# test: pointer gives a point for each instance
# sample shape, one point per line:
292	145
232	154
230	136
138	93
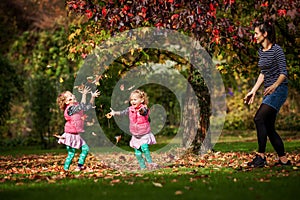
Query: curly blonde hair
61	100
143	95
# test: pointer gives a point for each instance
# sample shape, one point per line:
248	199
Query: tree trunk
196	137
190	119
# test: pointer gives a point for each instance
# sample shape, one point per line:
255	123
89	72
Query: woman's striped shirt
272	63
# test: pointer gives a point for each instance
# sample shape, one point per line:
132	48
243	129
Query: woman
273	75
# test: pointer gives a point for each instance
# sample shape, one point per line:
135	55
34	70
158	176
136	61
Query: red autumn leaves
190	16
196	17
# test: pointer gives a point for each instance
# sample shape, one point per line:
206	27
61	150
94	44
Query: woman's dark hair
267	26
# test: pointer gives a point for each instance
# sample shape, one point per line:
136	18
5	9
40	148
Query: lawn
220	174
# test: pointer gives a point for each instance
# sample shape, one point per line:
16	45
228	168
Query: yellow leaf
228	46
131	51
77	32
220	57
220	67
71	36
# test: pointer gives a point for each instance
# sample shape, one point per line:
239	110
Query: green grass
252	146
182	184
18	151
175	183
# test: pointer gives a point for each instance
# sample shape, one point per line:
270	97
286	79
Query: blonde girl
139	127
74	126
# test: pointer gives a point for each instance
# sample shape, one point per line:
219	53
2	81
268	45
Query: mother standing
273	76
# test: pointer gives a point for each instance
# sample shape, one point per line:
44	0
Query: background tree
34	39
10	89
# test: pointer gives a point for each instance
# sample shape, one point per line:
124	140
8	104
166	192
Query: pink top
138	124
75	122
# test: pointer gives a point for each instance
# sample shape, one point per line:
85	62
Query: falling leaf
130	88
118	138
122	87
90	123
89	78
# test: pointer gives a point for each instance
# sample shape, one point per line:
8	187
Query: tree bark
196	112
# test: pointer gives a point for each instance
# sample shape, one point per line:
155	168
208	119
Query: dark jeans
265	125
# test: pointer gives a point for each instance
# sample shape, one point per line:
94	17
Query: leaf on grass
38	167
51	181
187	187
130	182
20	183
178	192
157	184
264	180
115	181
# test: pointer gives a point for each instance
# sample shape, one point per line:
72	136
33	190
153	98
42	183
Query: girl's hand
95	94
112	113
143	111
249	98
86	90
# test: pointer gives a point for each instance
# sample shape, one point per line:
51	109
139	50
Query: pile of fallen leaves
49	167
235	160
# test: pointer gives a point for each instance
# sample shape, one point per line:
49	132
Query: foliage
10	90
43	96
46	52
222	27
40	57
